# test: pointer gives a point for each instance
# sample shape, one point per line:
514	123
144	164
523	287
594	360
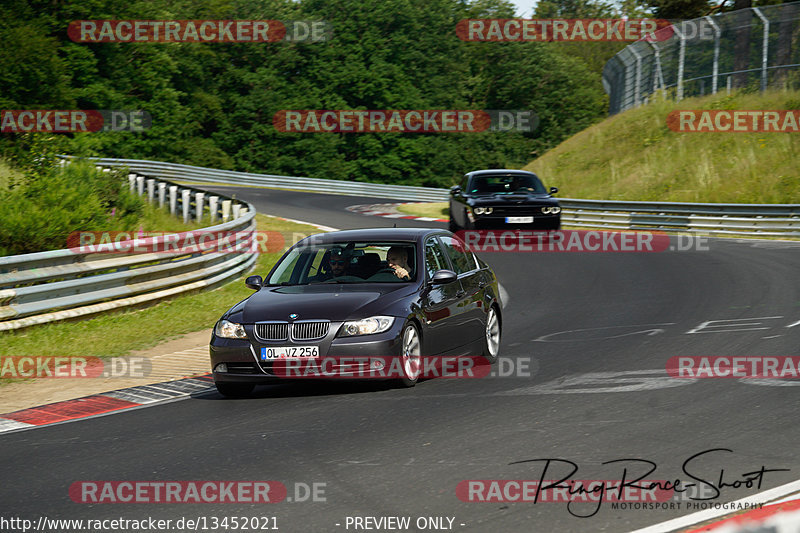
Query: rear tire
234	390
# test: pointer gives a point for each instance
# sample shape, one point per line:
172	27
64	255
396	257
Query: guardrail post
764	49
140	185
132	181
212	207
151	190
198	199
173	199
226	210
185	204
162	189
236	209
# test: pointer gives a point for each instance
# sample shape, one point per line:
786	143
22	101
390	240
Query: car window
506	183
434	258
347	262
461	259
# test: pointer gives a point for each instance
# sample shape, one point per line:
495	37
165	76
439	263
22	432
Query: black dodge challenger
497	199
352	302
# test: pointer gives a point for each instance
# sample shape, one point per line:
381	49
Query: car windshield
505	183
347	262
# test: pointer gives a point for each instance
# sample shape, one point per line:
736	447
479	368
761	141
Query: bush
40	212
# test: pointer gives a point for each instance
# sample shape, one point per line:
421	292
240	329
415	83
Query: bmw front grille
300	331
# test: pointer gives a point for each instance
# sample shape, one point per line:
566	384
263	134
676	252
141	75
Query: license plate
289	352
519	220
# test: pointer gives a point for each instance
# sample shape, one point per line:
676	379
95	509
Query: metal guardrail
768	220
715	219
208	175
58	284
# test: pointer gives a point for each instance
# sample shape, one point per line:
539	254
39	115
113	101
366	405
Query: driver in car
397	259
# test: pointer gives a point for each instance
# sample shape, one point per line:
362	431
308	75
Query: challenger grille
306	331
272	331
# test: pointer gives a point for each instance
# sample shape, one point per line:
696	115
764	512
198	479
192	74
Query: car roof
376	234
500	171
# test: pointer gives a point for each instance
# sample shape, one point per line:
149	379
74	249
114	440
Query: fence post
764	49
226	210
715	65
212	207
185	204
658	75
151	190
162	189
198	200
140	185
132	181
173	199
638	82
681	59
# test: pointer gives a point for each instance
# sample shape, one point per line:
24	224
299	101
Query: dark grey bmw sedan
369	303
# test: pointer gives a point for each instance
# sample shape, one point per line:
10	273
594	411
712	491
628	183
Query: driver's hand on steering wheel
399	271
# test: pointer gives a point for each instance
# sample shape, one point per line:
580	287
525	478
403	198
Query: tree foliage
212	104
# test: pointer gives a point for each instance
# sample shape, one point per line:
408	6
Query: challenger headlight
483	210
366	326
229	330
548	210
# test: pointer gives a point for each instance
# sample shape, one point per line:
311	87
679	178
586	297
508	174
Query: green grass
428	209
634	156
116	334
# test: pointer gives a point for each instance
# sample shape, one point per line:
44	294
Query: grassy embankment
635	156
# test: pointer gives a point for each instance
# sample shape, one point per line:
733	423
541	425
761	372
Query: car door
471	315
439	303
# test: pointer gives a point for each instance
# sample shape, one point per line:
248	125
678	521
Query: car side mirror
443	276
455	189
253	282
553	190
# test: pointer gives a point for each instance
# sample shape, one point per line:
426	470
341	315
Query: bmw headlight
548	210
366	326
229	330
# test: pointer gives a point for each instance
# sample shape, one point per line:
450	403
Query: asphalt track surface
595	330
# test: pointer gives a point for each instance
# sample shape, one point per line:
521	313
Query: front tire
234	390
410	356
491	336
